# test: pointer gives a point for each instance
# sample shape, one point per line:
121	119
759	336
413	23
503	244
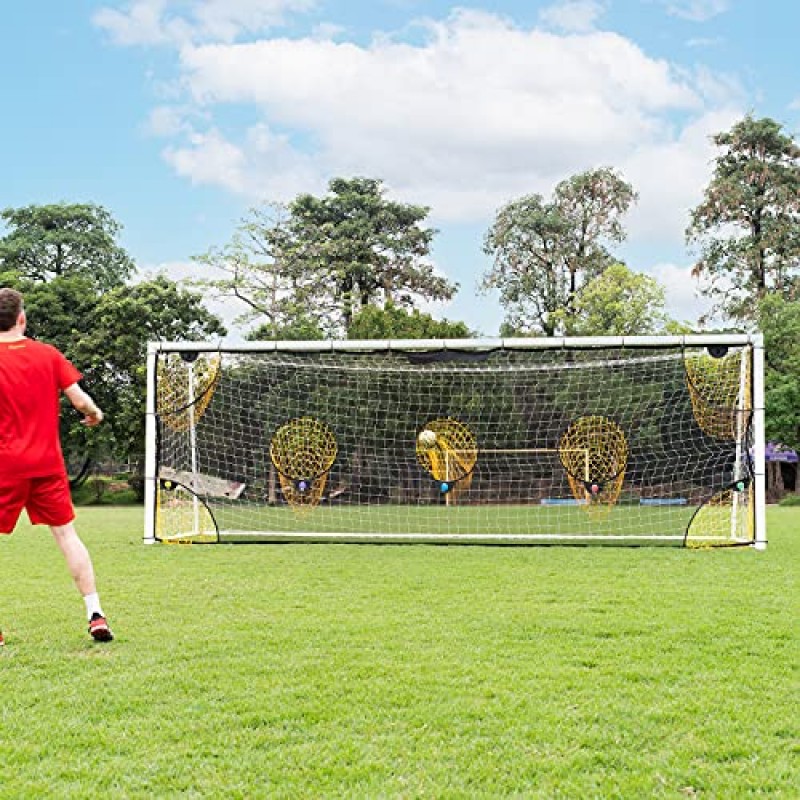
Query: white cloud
480	112
210	158
141	24
696	10
263	166
166	121
574	16
155	22
670	177
226	19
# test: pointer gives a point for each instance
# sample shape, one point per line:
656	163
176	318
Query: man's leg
80	566
77	557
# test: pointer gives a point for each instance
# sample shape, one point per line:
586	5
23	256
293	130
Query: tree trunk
775	486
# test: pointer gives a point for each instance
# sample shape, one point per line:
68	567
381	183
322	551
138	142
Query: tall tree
75	279
256	268
75	240
747	227
324	258
545	251
620	302
112	350
367	249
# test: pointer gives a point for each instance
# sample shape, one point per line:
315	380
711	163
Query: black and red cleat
99	630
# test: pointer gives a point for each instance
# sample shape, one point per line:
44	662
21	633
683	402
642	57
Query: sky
180	115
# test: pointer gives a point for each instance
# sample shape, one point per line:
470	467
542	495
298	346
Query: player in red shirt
32	471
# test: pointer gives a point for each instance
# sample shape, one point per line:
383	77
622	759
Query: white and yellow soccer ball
427	438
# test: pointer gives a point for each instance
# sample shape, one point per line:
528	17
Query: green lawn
401	671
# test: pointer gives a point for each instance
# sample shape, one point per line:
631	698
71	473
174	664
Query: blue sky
179	115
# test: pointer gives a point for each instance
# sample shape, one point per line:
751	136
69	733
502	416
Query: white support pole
150	450
741	408
193	450
759	446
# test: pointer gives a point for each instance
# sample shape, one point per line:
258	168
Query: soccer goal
637	440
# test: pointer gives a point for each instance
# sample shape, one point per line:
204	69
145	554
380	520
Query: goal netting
637	440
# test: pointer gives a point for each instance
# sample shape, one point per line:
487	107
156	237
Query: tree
620	303
779	319
544	252
65	260
303	328
324	258
106	337
64	240
112	350
367	249
747	227
257	270
397	323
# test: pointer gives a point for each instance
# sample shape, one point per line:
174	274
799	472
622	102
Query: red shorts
46	499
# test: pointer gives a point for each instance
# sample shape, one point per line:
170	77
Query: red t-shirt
32	375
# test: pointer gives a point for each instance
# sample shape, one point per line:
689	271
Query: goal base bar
350	537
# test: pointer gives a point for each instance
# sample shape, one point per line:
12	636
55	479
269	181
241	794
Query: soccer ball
426	438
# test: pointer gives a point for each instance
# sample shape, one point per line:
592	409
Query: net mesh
522	437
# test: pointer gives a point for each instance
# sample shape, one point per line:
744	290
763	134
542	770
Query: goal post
632	440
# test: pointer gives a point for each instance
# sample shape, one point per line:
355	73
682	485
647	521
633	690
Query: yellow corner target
719	389
185	388
448	451
181	516
724	520
594	454
303	450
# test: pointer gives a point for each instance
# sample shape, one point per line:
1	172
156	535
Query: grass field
401	671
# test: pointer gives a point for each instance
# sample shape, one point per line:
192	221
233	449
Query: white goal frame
754	341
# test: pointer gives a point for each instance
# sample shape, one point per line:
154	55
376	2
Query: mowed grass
400	671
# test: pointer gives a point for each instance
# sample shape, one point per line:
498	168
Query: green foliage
779	320
322	259
618	302
301	329
112	349
746	227
278	293
64	240
101	490
397	323
357	671
544	252
365	247
65	261
790	500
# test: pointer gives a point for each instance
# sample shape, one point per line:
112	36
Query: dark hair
10	307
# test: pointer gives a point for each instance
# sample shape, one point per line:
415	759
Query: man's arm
84	403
